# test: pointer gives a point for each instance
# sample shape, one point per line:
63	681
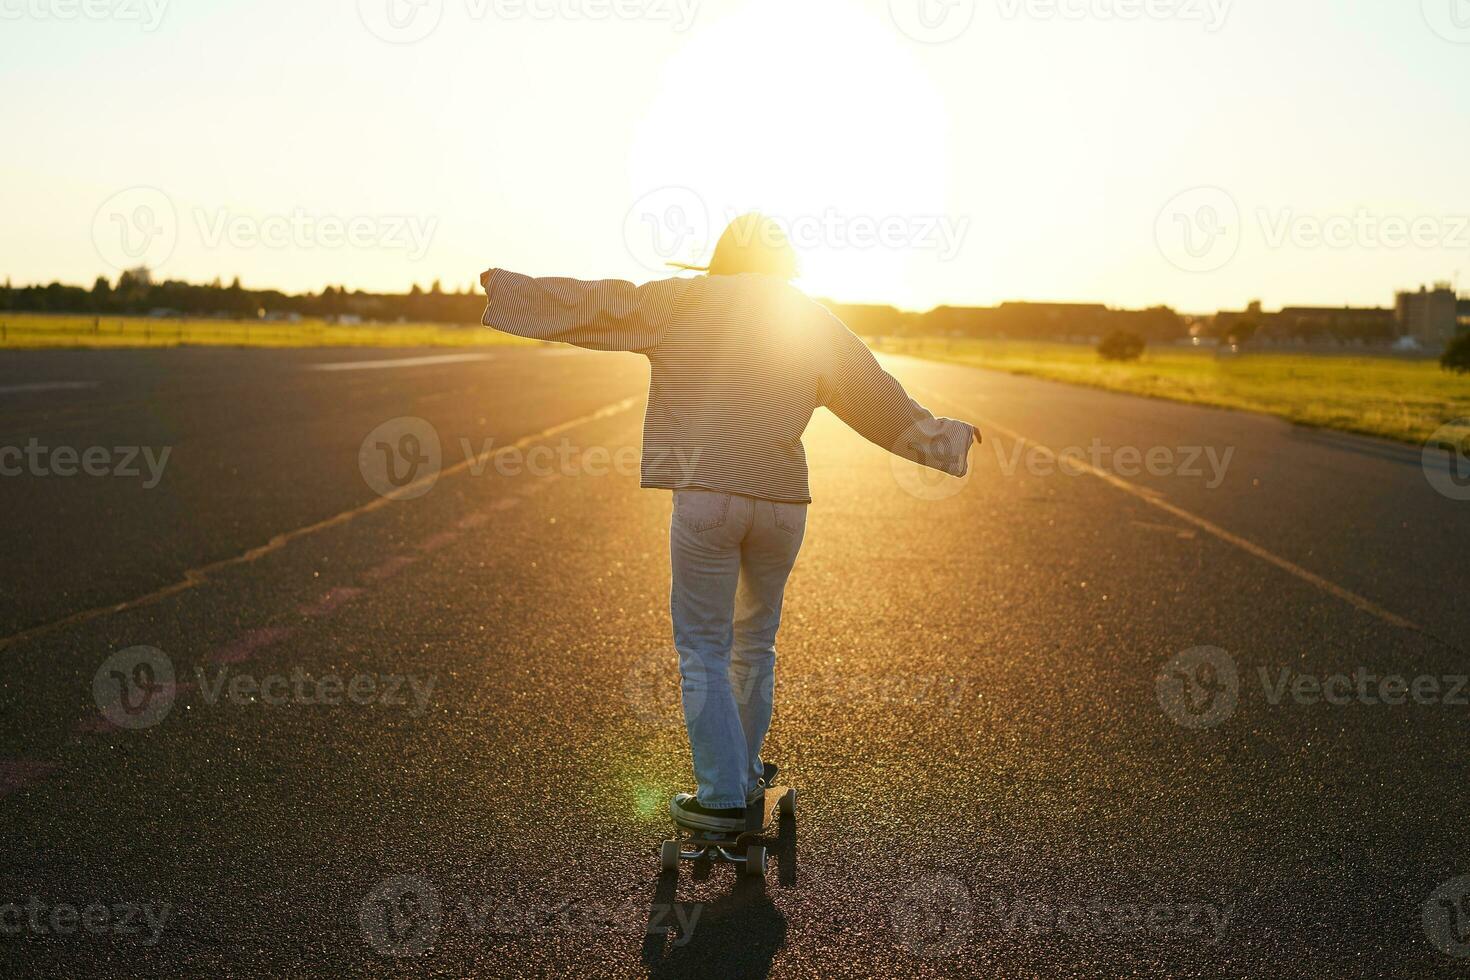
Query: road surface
1158	690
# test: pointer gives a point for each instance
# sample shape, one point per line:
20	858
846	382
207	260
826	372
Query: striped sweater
739	364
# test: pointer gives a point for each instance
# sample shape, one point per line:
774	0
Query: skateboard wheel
788	803
755	860
668	855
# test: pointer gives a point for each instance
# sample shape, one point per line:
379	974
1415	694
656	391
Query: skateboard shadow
736	935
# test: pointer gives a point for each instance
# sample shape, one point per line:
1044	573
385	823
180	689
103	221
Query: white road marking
195	576
1154	499
398	362
48	386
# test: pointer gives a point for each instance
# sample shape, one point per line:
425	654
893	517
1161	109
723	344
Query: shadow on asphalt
737	935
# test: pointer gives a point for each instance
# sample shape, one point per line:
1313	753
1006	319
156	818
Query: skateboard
746	849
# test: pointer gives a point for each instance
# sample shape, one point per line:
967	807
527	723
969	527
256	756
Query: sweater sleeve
875	405
607	314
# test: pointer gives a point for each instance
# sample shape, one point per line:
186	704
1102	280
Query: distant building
1430	316
1301	324
1462	308
1343	323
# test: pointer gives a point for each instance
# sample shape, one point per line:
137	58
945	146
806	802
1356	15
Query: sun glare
827	124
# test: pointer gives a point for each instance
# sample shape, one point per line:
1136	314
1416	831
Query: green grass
28	330
1380	396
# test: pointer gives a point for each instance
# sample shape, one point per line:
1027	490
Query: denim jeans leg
766	558
705	562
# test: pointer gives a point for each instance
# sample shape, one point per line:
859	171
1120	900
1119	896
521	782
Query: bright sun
815	114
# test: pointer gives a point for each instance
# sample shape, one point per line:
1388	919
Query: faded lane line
397	362
196	576
48	386
1154	499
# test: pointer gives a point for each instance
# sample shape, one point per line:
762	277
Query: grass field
1396	399
35	330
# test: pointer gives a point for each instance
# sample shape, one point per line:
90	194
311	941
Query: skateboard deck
746	847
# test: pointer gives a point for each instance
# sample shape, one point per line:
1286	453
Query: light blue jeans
731	556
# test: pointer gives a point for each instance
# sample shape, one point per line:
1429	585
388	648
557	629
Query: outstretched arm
607	314
868	398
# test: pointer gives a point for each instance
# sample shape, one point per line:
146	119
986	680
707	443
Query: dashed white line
397	362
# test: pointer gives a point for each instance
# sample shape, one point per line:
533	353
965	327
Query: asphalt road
1047	722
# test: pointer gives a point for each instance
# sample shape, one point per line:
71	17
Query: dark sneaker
757	795
687	812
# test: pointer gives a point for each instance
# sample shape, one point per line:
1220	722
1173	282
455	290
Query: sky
1195	153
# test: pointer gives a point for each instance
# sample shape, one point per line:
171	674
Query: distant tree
1121	345
1244	331
437	289
1456	356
